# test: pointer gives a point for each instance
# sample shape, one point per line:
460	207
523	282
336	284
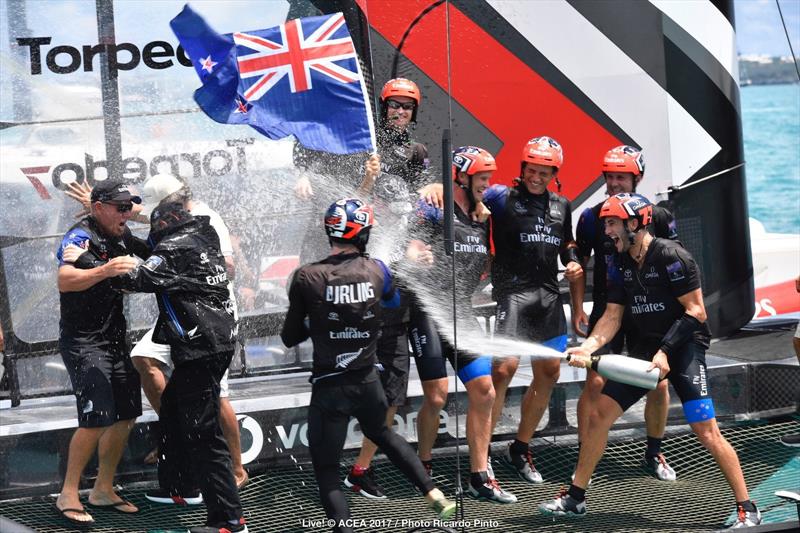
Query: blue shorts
431	351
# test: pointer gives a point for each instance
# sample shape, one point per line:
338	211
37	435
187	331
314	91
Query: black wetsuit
404	164
531	231
341	297
591	238
187	272
471	257
651	295
92	337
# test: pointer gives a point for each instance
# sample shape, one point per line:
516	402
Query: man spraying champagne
659	282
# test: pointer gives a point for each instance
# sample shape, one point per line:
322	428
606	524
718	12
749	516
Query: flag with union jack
301	78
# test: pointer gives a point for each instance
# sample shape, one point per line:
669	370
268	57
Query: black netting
622	496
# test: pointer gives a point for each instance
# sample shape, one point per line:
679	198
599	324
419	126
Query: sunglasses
121	208
394	104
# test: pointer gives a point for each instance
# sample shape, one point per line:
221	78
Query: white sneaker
523	464
563	505
746	518
659	468
492	492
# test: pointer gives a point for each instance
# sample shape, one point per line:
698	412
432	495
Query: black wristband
570	254
680	333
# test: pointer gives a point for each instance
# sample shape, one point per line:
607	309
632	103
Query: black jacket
187	272
342	296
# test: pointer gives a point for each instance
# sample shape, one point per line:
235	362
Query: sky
759	29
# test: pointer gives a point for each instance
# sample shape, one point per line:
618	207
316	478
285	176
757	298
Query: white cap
156	188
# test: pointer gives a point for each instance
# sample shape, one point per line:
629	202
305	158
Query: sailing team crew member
659	282
337	302
196	319
472	171
623	169
94	347
153	360
532	230
392	178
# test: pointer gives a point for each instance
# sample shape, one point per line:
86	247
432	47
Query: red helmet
471	159
543	151
624	159
401	87
626	206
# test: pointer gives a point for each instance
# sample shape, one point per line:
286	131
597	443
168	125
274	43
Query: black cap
111	190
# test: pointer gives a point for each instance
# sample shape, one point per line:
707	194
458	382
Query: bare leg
81	449
368	448
588	400
503	371
109	452
230	429
435	391
479	412
153	380
724	454
537	397
656	410
592	448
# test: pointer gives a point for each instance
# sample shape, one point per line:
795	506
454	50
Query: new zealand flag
301	78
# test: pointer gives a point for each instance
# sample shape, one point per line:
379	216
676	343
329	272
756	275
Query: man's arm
603	331
294	329
71	279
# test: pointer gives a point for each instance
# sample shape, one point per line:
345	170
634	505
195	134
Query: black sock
476	479
576	492
518	447
748	506
653	447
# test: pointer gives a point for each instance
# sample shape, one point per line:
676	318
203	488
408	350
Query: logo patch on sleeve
675	271
152	262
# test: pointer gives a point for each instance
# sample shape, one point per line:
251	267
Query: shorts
147	347
689	378
534	315
430	352
394	363
105	383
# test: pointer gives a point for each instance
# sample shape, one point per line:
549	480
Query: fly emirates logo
472	246
352	293
542	233
641	305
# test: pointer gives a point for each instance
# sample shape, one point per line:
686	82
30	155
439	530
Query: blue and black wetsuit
471	258
531	231
651	295
591	238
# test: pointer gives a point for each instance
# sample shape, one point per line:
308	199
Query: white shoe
659	468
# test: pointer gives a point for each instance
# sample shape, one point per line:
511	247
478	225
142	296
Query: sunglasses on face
121	208
394	104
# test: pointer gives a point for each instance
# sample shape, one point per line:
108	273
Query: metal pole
18	27
109	87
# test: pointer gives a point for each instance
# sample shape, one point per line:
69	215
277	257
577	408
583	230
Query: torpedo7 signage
65	59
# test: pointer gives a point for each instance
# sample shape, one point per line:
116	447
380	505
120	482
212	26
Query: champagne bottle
625	370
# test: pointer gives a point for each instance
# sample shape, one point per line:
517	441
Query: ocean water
771	131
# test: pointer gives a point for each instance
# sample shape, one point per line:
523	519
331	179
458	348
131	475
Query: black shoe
792	440
364	484
164	497
223	527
